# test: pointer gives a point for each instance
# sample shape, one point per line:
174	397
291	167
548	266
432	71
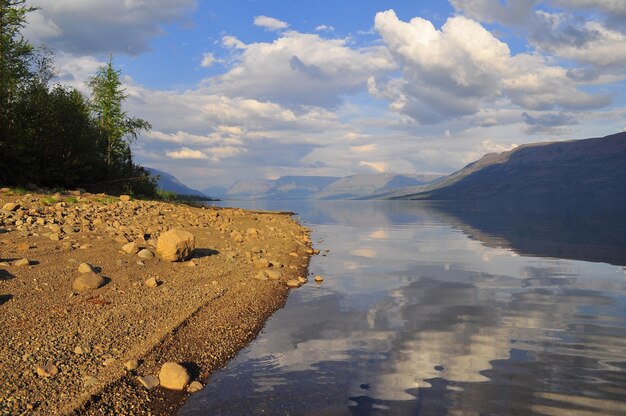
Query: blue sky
240	89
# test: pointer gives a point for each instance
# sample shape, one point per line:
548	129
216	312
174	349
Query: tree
119	130
15	58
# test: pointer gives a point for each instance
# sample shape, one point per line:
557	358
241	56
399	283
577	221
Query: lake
434	309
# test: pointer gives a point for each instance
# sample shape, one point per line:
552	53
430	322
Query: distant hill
168	182
215	191
324	187
590	169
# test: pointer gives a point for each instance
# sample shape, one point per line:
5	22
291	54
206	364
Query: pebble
194	387
48	370
150	381
130	248
319	279
22	262
151	282
273	274
293	283
82	349
85	268
145	254
131	365
109	361
124	198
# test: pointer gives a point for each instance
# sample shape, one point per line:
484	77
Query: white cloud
186	153
301	69
232	42
270	23
379	167
454	71
324	28
208	59
83	27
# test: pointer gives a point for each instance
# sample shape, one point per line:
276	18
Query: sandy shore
64	352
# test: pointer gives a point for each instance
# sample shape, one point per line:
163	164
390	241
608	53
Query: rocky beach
110	305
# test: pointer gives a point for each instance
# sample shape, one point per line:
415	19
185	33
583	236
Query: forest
55	136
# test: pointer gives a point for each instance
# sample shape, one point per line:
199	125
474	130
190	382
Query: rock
175	245
124	198
252	232
294	254
10	206
82	349
261	275
130	248
23	247
22	262
85	268
55	237
88	281
194	387
302	280
261	263
275	264
173	376
273	274
151	282
293	283
89	381
48	370
131	365
319	279
191	263
237	237
109	361
4	190
148	381
145	254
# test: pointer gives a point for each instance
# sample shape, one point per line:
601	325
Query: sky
258	89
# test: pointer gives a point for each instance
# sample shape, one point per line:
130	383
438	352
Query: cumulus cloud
511	11
84	27
454	71
548	123
270	23
301	69
186	153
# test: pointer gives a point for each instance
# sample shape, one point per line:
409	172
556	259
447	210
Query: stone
124	198
150	381
23	247
89	381
88	281
191	263
173	376
237	237
175	245
319	279
131	365
294	254
151	282
10	206
261	263
252	232
108	362
194	387
4	190
47	371
261	275
145	254
82	349
22	262
293	283
302	280
85	268
130	248
273	274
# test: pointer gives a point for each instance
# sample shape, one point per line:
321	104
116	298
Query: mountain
324	187
590	169
168	182
215	191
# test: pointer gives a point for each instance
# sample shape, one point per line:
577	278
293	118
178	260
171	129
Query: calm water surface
433	310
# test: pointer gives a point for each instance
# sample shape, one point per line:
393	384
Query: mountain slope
572	170
168	182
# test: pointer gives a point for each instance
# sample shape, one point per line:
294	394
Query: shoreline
201	314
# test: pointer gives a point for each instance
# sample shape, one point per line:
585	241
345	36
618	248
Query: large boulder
173	376
175	245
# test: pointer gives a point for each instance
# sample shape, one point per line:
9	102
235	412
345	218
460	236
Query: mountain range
589	169
168	182
322	187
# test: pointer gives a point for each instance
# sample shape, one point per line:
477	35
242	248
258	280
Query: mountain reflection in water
442	309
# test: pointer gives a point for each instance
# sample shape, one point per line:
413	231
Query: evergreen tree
117	128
